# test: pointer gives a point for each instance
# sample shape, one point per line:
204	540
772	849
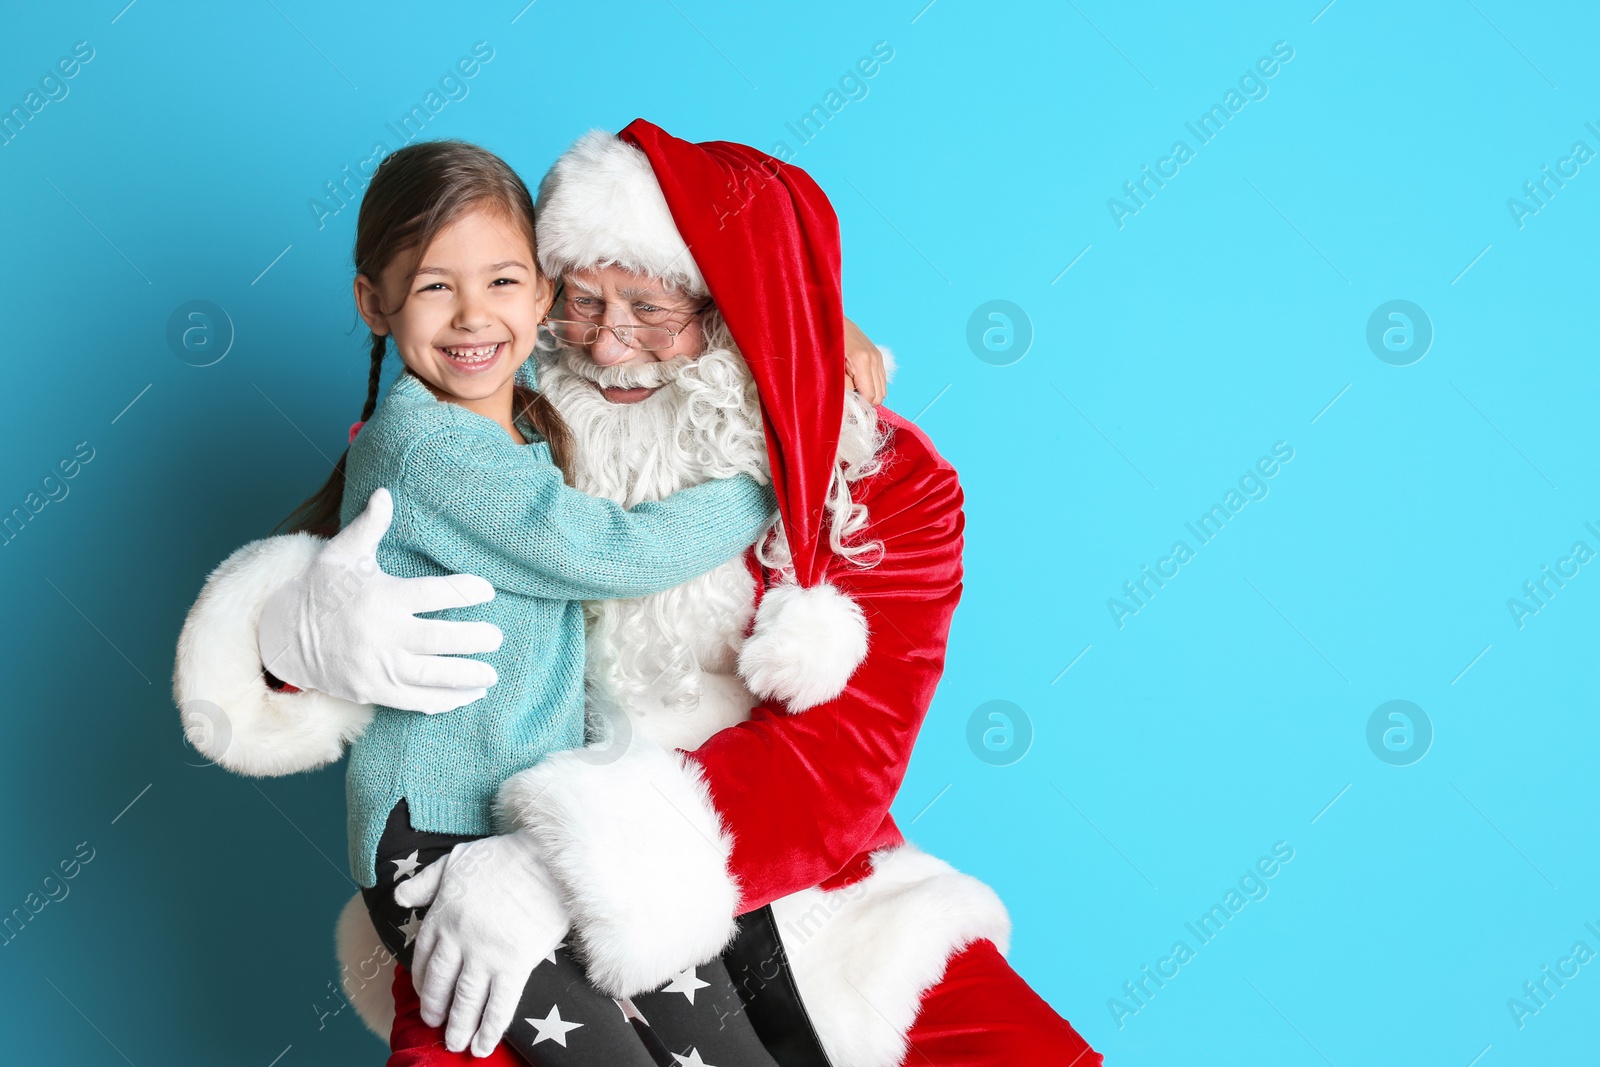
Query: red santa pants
981	1014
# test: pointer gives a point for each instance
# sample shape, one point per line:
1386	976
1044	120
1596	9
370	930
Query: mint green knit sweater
469	499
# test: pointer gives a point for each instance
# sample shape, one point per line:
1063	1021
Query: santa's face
616	297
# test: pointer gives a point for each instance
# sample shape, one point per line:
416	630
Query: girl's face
467	319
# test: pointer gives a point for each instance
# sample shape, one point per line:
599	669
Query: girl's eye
508	281
428	288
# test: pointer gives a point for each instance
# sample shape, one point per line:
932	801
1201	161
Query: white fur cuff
806	644
229	713
366	968
641	855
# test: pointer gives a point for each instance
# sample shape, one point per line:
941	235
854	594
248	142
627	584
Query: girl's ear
544	295
369	302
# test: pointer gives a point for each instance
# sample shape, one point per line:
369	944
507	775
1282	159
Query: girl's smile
473	358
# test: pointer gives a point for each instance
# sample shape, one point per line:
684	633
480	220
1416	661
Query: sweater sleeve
479	507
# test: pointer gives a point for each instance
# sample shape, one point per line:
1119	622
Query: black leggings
699	1012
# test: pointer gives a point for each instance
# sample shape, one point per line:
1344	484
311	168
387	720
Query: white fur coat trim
601	204
864	955
641	856
806	644
366	968
229	713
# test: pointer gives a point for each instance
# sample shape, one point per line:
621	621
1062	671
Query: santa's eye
651	313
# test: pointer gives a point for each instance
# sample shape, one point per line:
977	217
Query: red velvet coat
806	797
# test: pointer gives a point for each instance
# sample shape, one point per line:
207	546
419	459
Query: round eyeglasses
583	332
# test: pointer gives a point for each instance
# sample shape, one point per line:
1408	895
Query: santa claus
751	727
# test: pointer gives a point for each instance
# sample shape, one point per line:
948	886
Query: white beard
667	659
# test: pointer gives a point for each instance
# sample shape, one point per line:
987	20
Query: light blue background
1223	317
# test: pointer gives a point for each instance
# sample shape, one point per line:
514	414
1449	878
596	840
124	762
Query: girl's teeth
474	354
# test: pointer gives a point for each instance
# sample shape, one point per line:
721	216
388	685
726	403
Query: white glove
495	915
345	628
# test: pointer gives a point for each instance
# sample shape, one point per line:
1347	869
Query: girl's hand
863	365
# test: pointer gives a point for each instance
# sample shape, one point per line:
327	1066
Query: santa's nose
607	351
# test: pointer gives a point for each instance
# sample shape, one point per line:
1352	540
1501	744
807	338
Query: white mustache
629	375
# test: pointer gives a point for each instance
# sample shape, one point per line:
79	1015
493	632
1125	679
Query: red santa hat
760	238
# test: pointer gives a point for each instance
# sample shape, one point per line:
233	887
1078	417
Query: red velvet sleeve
803	794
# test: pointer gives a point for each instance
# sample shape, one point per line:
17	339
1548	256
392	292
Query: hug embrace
628	602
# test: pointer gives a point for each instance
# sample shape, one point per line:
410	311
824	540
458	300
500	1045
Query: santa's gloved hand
495	914
345	628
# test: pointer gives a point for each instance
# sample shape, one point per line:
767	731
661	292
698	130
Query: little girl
471	455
